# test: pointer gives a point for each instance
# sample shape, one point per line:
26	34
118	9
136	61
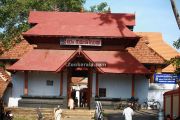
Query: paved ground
139	115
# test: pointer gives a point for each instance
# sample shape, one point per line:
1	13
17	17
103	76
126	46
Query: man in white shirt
57	113
128	112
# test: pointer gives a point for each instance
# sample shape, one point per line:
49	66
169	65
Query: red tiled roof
17	51
81	24
55	60
5	80
42	60
117	62
145	54
156	42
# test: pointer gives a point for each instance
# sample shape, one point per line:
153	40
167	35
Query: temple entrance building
82	56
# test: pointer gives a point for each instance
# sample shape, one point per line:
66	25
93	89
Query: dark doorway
79	83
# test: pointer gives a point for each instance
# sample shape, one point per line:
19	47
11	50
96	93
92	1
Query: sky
151	15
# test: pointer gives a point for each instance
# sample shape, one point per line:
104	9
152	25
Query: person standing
128	113
57	113
71	104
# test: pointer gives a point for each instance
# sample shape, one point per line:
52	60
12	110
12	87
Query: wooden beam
97	84
133	86
90	82
68	84
171	105
164	103
61	84
25	82
89	87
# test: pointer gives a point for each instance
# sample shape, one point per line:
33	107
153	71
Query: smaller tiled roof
170	68
156	42
17	51
145	54
5	80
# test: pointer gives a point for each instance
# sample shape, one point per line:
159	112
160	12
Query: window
102	92
49	82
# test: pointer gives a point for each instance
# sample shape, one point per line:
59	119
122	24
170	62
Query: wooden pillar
61	84
26	83
89	87
133	86
68	83
171	105
164	103
97	84
152	70
90	81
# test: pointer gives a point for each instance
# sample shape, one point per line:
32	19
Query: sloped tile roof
17	51
170	68
42	60
55	60
5	80
145	54
156	42
76	24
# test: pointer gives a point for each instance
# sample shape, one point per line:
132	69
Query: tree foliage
177	44
14	14
102	7
176	60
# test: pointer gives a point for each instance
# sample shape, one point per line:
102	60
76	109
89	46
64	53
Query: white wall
94	85
64	83
18	84
37	84
156	91
141	88
117	85
17	89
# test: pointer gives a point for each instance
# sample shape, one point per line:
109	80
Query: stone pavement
139	115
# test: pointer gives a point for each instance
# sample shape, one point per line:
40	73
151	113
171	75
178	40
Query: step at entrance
48	114
78	114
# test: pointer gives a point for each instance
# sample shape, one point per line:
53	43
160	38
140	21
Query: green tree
102	7
14	14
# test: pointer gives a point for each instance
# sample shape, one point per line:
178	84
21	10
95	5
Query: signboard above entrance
80	41
166	78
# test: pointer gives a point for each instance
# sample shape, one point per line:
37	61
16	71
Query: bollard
160	115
